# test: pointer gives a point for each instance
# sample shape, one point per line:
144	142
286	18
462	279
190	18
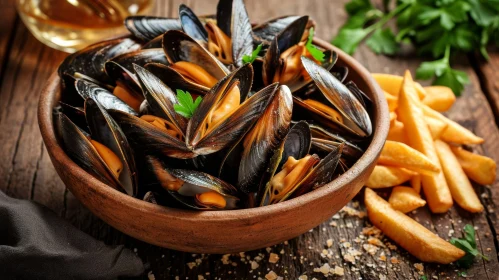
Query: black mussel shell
147	28
191	24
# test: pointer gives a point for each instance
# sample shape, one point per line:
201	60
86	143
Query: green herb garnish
186	106
436	28
313	50
253	56
468	245
423	277
462	274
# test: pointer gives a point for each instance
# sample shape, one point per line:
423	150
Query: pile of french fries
423	151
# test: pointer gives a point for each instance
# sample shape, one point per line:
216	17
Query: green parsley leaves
467	244
186	106
313	50
253	56
436	28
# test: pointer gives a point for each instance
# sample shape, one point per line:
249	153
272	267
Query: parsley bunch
436	28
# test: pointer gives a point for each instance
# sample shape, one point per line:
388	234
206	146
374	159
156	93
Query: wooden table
26	170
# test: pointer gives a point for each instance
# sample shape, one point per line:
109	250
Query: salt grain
273	258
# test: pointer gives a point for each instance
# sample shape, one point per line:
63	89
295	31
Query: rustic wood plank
488	72
7	25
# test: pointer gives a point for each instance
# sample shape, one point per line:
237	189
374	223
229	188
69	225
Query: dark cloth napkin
36	244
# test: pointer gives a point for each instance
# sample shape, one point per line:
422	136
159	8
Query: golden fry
387	176
416	183
478	168
393	117
392	84
400	155
392	101
397	132
459	185
409	234
439	98
405	199
410	113
437	127
454	133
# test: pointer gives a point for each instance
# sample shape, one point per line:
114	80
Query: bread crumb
346	244
349	258
324	269
200	277
303	277
375	241
150	276
268	249
382	256
338	271
419	267
271	275
329	242
225	259
333	224
394	260
191	264
273	258
371	249
254	265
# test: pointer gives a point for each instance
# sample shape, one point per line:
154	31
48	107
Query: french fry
454	133
459	185
397	132
416	183
478	168
400	155
405	199
392	101
439	98
435	187
437	127
388	176
392	84
409	234
393	117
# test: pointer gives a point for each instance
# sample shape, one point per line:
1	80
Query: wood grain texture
26	171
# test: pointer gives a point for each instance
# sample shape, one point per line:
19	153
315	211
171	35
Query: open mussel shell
262	140
322	174
265	32
107	132
340	72
297	145
75	114
361	96
147	28
175	80
120	68
90	61
160	98
104	97
191	24
355	116
233	20
233	125
178	46
188	186
149	139
79	148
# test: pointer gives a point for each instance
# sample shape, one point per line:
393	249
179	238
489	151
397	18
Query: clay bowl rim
50	94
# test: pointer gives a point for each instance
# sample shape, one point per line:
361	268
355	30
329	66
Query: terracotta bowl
218	231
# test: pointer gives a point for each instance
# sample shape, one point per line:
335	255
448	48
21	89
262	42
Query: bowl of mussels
210	134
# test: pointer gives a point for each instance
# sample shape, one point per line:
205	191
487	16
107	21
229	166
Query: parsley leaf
383	41
253	56
467	244
423	277
349	39
186	106
313	50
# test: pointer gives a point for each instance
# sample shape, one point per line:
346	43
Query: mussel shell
265	32
149	139
160	98
178	46
340	72
322	174
147	28
191	24
155	43
82	152
296	144
175	80
69	94
241	33
90	61
235	125
75	114
224	15
107	132
361	96
196	182
104	97
120	68
262	140
355	115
